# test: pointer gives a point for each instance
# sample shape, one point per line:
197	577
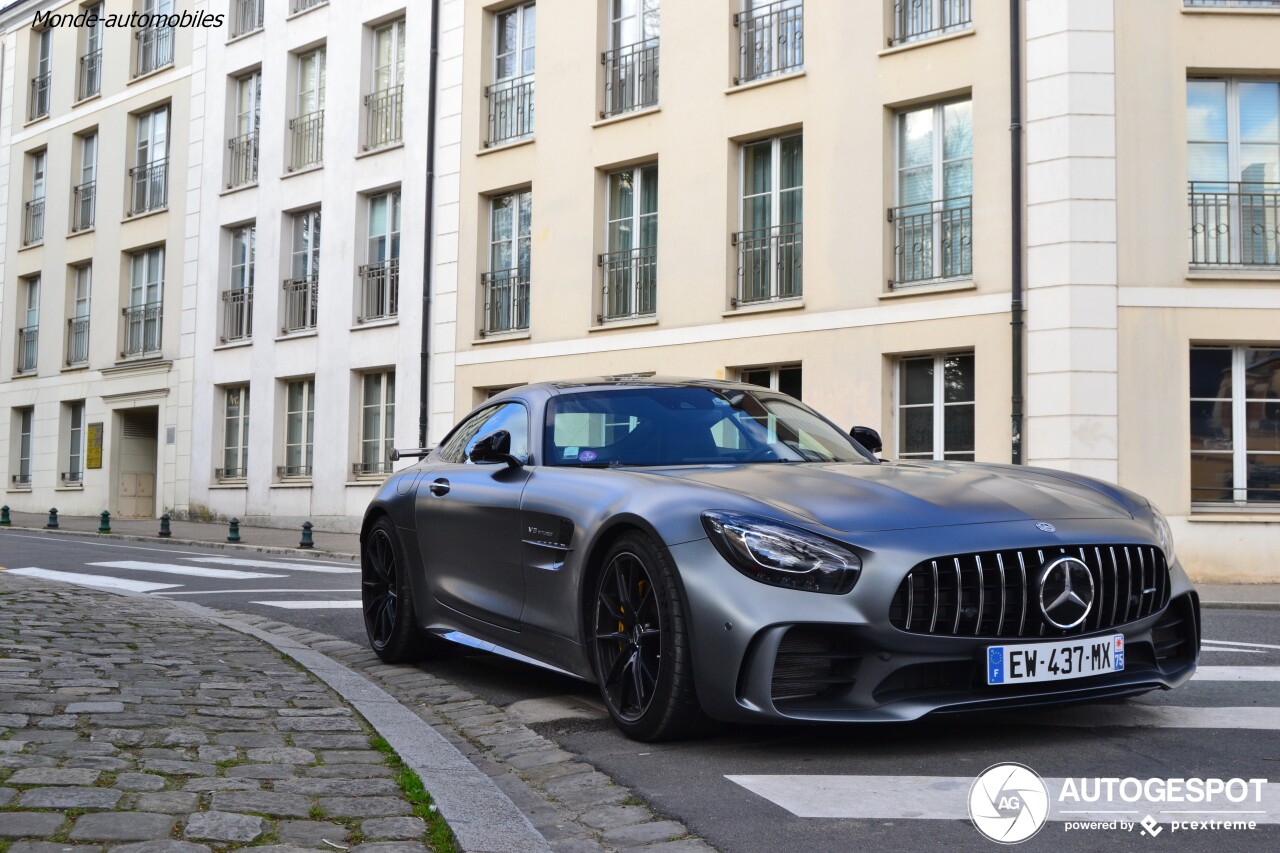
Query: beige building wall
133	396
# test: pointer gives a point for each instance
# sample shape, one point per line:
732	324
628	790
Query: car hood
852	497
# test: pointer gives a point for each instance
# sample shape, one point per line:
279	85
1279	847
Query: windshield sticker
587	456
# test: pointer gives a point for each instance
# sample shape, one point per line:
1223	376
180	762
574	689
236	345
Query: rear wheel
641	644
387	600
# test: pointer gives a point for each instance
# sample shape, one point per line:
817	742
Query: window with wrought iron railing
142	328
510	97
28	349
384	117
33	223
77	341
154	49
932	240
83	205
1234	223
932	220
242	160
630	78
304	5
770	246
510	110
300	305
916	20
235	434
237	315
90	81
770	39
506	300
150	183
306	134
40	96
379	290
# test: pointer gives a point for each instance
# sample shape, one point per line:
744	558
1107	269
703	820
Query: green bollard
104	523
233	530
52	523
307	541
165	533
4	516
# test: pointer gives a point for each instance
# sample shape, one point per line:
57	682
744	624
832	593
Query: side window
512	417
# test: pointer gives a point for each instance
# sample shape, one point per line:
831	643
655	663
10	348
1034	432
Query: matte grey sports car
714	550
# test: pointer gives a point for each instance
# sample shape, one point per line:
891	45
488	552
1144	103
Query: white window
243	243
935	407
1233	166
78	327
630	263
146	294
306	244
89	158
377	422
151	152
41	75
44	52
84	195
235	434
32	315
772	216
300	417
915	20
514	52
34	226
933	217
633	21
38	165
631	64
311	80
29	333
787	378
384	228
248	103
75	442
90	80
510	97
22	478
770	38
1235	425
506	285
237	300
388	56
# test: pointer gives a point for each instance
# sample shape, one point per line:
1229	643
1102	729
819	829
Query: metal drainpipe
1015	160
428	252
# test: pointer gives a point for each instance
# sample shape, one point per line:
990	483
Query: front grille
922	679
812	662
996	593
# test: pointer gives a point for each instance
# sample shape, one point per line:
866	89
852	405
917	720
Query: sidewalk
128	724
271	539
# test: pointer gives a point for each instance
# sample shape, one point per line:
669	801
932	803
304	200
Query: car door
468	520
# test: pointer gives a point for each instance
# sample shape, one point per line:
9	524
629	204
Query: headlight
782	555
1163	534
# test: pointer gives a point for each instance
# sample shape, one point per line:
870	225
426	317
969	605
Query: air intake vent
813	661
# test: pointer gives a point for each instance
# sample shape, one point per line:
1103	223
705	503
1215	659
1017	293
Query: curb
481	816
316	553
1240	605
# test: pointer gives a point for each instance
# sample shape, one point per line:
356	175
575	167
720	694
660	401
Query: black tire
387	600
640	643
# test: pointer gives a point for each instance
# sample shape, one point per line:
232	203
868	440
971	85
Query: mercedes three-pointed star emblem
1066	592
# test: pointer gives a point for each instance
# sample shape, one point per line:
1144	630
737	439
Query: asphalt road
877	779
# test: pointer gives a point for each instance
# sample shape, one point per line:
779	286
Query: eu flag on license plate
995	666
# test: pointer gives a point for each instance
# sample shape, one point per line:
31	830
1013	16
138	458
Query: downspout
428	251
1015	165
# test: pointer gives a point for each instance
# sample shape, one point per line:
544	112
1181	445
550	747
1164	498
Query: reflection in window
1235	425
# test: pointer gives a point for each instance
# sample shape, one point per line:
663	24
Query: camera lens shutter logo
1008	803
1046	527
1066	592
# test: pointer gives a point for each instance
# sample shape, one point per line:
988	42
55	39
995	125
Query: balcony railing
72	478
506	300
154	49
379	290
21	481
629	283
33	223
300	304
630	78
142	328
77	341
292	472
770	264
932	240
221	474
28	349
770	40
90	82
150	187
39	96
306	133
371	469
237	314
1245	4
1234	223
246	16
242	160
510	109
84	201
916	20
304	5
384	117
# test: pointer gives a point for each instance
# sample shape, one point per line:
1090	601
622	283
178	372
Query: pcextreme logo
1008	803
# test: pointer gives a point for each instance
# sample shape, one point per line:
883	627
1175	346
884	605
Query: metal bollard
307	541
4	516
233	530
165	533
104	522
52	523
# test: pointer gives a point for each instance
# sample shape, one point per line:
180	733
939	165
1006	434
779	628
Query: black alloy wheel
628	636
380	588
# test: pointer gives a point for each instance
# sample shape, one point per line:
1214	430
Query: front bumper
767	654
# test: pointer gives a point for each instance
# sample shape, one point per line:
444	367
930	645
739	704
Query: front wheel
387	601
640	644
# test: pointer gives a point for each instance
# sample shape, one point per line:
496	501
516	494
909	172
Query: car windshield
688	426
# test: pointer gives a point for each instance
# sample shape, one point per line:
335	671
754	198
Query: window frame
241	421
75	442
775	376
521	11
395	66
1240	452
26	429
380	463
309	223
312	84
307	430
391	236
938	403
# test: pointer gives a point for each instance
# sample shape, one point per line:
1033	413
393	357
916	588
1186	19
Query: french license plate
1028	662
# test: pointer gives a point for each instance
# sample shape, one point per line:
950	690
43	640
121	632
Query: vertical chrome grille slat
1022	621
933	623
955	630
1142	583
1102	586
1115	585
911	597
982	582
1128	582
1000	621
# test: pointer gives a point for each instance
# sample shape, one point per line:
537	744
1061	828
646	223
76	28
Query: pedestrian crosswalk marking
191	571
947	798
249	591
1233	643
98	581
1225	650
1237	673
327	569
1153	716
312	605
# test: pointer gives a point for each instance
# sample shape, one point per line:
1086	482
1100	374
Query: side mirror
868	438
495	447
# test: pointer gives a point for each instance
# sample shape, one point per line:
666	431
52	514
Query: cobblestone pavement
127	724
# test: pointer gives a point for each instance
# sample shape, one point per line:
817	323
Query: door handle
439	487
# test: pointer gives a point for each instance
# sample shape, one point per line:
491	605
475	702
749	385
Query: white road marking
71	540
1154	716
312	605
245	591
98	581
1237	673
1232	651
1230	643
191	571
276	564
947	798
